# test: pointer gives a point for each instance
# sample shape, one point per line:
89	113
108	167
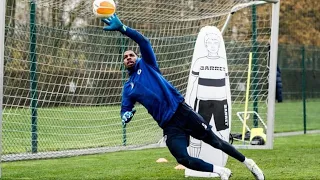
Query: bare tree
10	14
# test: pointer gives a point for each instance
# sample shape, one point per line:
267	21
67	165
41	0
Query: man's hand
114	24
127	116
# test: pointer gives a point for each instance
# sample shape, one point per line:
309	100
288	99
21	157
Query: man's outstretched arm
114	24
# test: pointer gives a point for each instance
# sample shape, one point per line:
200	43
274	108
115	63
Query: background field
293	157
74	129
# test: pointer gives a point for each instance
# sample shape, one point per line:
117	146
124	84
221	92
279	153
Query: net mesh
64	98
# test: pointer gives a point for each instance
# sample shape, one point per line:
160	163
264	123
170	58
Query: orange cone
180	167
162	160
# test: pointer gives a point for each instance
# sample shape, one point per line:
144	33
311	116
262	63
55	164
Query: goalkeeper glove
127	116
114	24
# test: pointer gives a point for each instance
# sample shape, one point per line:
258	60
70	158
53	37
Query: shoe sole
264	177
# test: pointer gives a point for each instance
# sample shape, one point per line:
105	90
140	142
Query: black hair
135	52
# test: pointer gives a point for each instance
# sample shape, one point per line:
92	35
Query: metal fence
300	74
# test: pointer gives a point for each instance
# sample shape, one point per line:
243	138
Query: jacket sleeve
127	103
146	50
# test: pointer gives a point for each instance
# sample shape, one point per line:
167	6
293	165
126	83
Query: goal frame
272	67
2	34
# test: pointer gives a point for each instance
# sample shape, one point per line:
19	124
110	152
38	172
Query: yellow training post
247	97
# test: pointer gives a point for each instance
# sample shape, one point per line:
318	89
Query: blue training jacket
147	86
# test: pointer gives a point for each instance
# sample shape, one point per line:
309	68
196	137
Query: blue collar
134	69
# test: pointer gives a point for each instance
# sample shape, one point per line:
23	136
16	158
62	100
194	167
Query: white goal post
2	29
269	129
61	75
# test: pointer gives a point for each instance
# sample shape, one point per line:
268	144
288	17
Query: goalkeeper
147	86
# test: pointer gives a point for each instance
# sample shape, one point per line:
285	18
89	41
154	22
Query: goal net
63	74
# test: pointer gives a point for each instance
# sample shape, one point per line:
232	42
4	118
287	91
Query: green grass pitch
294	157
84	127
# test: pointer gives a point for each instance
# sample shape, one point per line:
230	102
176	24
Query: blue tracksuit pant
186	122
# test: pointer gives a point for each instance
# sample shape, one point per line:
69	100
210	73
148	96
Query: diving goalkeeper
178	120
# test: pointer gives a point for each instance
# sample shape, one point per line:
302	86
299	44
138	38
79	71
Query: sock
217	169
247	162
